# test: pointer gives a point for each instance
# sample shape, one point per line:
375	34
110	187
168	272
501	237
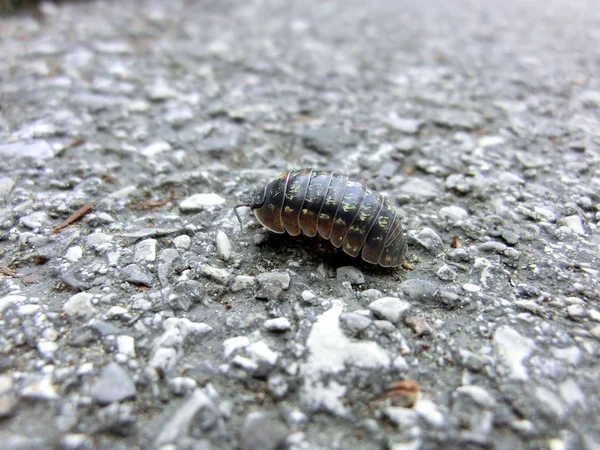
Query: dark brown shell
340	209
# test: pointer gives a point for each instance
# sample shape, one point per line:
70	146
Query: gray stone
281	279
242	282
113	385
429	239
403	124
419	290
182	242
136	275
454	213
419	189
27	149
510	237
326	141
79	305
160	90
446	273
156	148
574	223
355	322
389	308
513	350
198	202
492	247
35	220
165	265
6	185
117	419
350	274
221	276
576	312
145	251
278	324
180	419
263	431
185	294
371	294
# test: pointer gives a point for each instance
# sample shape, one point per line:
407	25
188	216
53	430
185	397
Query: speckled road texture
151	321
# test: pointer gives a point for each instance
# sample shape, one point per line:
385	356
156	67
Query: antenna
235	210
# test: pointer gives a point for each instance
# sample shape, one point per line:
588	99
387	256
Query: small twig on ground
4	270
75	216
153	204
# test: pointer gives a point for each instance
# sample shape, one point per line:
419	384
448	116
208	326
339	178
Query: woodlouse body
338	208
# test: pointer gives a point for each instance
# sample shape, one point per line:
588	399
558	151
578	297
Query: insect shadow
314	251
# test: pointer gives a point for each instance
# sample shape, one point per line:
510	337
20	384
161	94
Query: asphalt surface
134	312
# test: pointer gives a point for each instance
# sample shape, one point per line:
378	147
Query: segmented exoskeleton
340	209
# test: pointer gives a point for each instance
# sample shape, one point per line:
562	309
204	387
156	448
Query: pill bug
338	208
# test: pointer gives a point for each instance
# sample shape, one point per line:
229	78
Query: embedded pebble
355	321
156	148
282	279
371	294
197	407
454	213
308	297
279	324
574	223
403	124
223	246
198	202
235	343
136	275
429	239
6	185
221	276
446	273
113	385
126	345
160	90
41	389
263	431
513	350
182	242
47	348
242	282
389	308
165	264
35	220
492	247
145	250
419	290
418	188
350	274
576	312
510	237
74	253
37	149
79	305
182	385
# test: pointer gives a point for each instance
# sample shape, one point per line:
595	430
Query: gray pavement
149	320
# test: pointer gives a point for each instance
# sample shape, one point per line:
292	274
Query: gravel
136	314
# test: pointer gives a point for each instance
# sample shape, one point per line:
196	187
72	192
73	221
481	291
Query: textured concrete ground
152	321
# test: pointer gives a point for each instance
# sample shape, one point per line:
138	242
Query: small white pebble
223	246
126	345
182	242
278	324
576	312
